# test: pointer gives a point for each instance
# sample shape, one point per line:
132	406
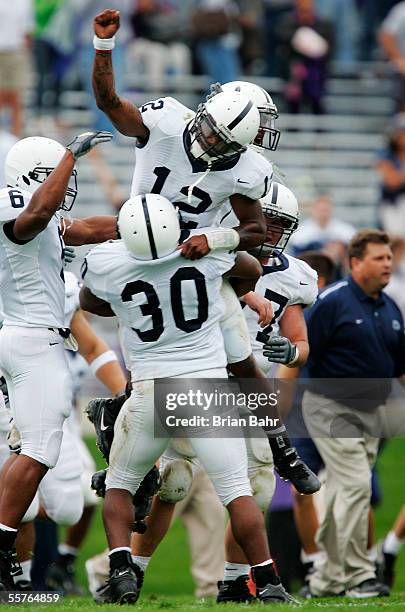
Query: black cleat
234	590
268	586
23	585
368	588
142	499
60	576
123	586
385	566
103	412
291	467
9	567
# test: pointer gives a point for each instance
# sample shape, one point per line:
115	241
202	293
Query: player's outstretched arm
125	116
48	197
252	226
91	230
97	353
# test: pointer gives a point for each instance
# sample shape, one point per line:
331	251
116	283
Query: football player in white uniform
175	333
32	355
195	160
291	285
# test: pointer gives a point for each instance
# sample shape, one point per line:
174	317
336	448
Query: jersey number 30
152	307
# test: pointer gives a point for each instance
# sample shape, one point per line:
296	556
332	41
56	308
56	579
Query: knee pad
32	511
45	452
67	510
263	483
177	478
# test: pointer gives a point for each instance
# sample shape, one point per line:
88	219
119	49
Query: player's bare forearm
91	230
91	303
252	234
244	274
123	114
45	201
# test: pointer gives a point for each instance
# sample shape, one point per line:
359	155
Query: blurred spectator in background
391	167
345	18
7	140
322	230
16	26
392	41
274	10
162	31
215	25
305	47
396	286
46	64
251	49
371	14
84	12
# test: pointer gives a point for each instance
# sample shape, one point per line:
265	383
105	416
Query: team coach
355	332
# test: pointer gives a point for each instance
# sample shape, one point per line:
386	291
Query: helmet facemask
40	173
279	223
214	142
268	136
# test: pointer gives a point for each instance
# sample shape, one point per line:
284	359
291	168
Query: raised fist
107	23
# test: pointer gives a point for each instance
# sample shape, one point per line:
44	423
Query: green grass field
168	583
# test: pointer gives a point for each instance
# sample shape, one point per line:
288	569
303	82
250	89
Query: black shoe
290	467
268	586
23	585
234	590
142	499
9	567
125	584
385	566
60	576
368	588
103	412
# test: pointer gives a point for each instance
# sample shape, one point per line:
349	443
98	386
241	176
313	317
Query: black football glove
83	143
280	350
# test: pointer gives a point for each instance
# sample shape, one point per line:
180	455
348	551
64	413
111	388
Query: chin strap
198	181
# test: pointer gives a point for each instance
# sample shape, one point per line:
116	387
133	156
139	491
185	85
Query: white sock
234	570
114	550
143	562
392	544
26	571
268	562
65	549
6	528
372	553
311	558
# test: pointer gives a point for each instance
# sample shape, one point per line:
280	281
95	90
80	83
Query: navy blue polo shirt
352	335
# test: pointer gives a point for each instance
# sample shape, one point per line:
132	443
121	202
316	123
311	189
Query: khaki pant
343	532
203	516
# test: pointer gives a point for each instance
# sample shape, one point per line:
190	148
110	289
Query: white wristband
291	364
103	44
222	238
101	360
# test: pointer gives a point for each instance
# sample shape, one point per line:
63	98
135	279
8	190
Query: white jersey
72	291
31	273
169	309
286	281
164	166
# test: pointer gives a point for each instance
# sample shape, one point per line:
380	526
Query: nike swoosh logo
53	343
102	426
245	182
301	283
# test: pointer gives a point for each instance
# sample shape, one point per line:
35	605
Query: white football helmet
31	160
280	209
223	127
268	136
149	226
